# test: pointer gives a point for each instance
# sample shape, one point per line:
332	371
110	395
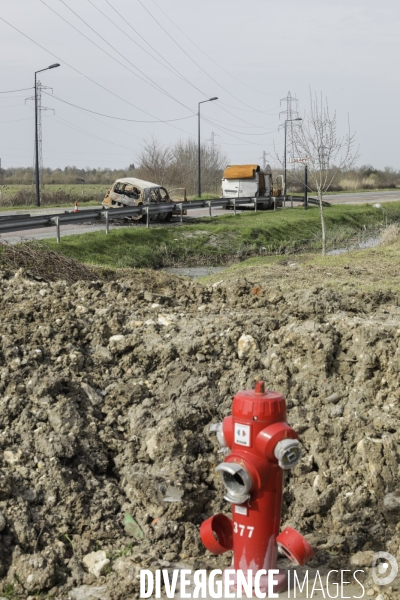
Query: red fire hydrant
263	446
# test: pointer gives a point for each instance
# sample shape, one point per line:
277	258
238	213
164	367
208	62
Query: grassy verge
75	189
23	196
373	269
224	240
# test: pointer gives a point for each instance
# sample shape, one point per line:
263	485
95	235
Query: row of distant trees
179	169
176	166
182	172
365	177
171	166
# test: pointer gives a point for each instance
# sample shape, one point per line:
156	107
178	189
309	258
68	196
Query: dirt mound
40	262
107	394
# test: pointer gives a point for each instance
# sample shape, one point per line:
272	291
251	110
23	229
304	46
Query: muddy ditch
107	393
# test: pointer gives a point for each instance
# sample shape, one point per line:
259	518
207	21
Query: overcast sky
249	54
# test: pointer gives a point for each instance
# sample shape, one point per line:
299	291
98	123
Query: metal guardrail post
107	222
58	230
255	204
209	209
234	206
147	217
274	202
181	207
291	201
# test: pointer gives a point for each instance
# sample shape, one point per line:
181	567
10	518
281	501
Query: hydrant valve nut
288	453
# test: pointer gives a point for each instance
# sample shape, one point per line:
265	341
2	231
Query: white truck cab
244	181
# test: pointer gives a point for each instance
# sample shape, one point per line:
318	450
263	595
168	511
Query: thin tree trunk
323	227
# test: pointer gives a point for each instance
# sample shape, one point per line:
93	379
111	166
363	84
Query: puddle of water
194	272
367	243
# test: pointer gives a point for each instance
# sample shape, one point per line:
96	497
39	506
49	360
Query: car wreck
129	191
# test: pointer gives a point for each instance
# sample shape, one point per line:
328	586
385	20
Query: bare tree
155	162
213	162
176	166
328	154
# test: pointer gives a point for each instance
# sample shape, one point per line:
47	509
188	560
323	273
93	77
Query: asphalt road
46	232
364	197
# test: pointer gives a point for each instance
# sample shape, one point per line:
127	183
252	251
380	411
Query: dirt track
107	394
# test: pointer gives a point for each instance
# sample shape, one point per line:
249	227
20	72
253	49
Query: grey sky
348	50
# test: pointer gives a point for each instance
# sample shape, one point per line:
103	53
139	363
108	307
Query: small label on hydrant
242	434
240	510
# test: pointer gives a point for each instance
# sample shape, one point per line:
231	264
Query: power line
73	126
12	97
210	58
11	105
21	90
111	92
113	127
177	72
192	59
150	81
116	118
213	122
158	87
173	69
6	149
89	78
205	118
14	120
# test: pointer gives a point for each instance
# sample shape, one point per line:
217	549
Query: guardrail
13	223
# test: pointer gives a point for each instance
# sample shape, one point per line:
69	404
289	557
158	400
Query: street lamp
36	136
198	150
284	177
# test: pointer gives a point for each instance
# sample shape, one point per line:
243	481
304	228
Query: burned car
128	191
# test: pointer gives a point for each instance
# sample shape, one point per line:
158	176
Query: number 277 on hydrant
263	446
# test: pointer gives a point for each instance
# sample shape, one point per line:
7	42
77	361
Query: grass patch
75	189
226	239
51	195
369	270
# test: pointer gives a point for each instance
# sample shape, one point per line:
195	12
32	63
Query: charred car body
128	191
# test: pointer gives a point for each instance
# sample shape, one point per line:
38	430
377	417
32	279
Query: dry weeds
41	262
390	234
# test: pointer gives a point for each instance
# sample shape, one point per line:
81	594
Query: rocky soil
107	394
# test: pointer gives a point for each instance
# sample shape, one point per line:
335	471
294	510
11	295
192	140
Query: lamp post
198	147
284	173
36	136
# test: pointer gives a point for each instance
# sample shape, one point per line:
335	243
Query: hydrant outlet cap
294	546
217	534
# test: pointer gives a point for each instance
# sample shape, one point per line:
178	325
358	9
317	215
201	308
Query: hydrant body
263	446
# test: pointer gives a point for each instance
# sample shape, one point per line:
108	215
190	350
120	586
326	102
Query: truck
249	181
